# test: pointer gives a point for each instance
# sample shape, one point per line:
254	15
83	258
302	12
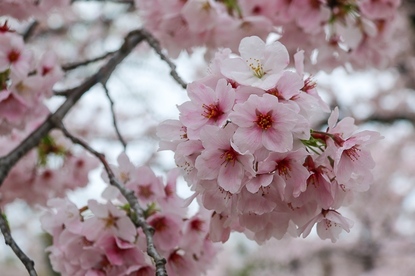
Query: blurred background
382	240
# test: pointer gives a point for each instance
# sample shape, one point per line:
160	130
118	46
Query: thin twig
75	65
139	220
114	120
156	46
8	239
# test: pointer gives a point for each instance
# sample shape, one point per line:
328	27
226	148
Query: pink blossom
288	171
64	216
146	185
260	65
14	55
330	224
12	107
221	160
50	72
220	229
311	15
351	154
207	106
263	201
265	226
319	184
216	198
120	255
167	228
201	14
264	122
171	133
110	220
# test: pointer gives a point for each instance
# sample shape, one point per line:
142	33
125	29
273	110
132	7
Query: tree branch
389	119
8	239
114	120
156	46
30	30
8	161
139	220
75	65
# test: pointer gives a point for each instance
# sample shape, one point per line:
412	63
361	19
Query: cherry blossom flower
12	106
260	65
200	14
14	55
330	224
207	106
221	160
146	185
108	218
263	122
351	154
288	171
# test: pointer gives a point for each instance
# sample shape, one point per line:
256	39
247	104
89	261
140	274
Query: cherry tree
263	152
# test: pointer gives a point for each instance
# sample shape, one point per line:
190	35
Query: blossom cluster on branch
332	33
25	81
246	144
101	239
48	171
25	9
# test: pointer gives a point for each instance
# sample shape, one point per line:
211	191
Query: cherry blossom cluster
48	171
24	81
27	9
359	32
248	150
101	239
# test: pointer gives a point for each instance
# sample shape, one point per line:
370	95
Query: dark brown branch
139	219
75	65
156	46
389	119
30	30
8	161
114	120
8	239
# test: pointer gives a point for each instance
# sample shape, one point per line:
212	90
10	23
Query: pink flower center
212	111
13	56
315	4
5	28
159	224
197	225
264	121
233	83
206	6
145	191
229	156
46	70
353	153
47	175
256	10
110	221
308	85
274	91
283	168
256	67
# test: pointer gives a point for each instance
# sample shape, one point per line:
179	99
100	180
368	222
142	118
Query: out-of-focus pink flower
14	55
